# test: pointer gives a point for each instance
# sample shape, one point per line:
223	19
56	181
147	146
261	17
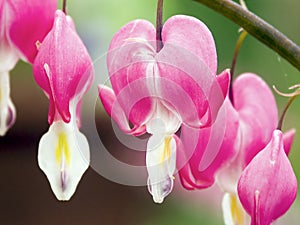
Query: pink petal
187	86
192	35
288	138
31	19
2	17
78	113
9	55
224	80
257	109
63	68
187	178
268	186
131	54
216	146
114	110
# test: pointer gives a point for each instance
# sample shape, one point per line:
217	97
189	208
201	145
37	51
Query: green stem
235	55
258	28
159	25
289	102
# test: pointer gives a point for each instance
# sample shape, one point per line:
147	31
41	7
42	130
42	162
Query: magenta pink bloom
223	150
22	25
159	91
209	149
268	186
257	111
240	131
63	69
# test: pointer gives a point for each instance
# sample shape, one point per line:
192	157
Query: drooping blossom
205	151
63	69
22	25
159	90
258	118
223	150
268	186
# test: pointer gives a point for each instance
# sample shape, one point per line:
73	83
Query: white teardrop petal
161	165
64	157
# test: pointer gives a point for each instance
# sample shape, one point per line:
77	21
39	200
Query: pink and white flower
257	111
63	69
22	25
223	150
158	91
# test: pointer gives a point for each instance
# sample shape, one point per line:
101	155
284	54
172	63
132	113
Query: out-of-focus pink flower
159	91
63	69
22	25
268	186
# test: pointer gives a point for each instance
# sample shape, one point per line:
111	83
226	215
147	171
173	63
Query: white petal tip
160	190
161	164
2	131
158	200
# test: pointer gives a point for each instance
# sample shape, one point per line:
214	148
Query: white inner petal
7	108
161	165
233	212
64	157
163	121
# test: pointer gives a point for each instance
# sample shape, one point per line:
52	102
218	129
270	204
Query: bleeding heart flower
268	186
22	25
63	69
209	149
159	91
257	112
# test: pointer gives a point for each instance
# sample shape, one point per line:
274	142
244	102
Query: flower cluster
232	141
168	88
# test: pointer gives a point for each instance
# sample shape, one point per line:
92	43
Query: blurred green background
25	195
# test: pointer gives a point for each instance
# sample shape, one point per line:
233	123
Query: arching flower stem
234	59
289	102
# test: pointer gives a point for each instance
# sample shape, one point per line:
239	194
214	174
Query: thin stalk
235	55
64	7
243	4
289	102
258	28
159	25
